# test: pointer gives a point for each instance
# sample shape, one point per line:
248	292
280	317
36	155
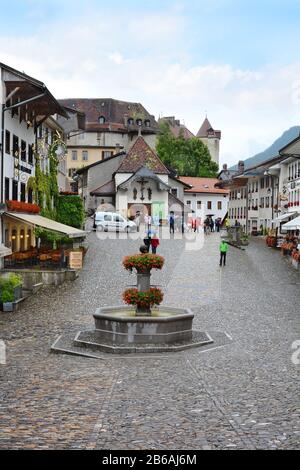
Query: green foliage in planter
7	295
70	211
15	280
7	286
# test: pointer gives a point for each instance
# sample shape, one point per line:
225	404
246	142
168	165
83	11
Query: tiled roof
176	127
106	189
206	128
202	185
141	155
115	112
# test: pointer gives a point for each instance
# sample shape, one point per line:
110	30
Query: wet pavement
242	395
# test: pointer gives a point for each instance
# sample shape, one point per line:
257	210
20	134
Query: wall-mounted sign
75	260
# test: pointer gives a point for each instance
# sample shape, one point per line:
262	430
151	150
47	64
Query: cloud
144	59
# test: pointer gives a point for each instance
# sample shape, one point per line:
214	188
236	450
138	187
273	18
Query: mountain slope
273	150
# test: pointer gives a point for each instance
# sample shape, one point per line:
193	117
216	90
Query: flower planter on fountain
142	326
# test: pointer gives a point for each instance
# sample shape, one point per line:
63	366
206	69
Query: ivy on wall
44	184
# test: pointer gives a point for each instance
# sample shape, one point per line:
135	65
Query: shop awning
285	216
4	251
292	224
49	224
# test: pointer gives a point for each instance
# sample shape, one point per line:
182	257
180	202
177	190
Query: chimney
241	166
225	167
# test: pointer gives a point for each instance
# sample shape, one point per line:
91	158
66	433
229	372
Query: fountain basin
120	326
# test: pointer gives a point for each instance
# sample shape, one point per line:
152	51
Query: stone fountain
143	325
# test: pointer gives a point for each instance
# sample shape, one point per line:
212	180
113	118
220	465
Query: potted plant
7	298
16	282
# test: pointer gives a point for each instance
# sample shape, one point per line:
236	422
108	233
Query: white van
112	221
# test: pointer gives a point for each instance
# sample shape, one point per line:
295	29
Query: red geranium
19	206
154	296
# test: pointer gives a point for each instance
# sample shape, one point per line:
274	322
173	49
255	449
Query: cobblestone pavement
244	395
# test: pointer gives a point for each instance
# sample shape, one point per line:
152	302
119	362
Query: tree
188	157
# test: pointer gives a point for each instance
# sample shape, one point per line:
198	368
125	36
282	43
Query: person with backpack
223	252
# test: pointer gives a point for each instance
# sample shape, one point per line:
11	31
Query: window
147	123
30	195
15	146
219	205
199	204
118	218
30	154
15	191
188	203
267	182
101	120
209	204
256	186
107	154
262	183
7	142
74	155
23	150
40	132
267	201
85	155
107	218
23	192
130	122
139	122
262	202
174	191
6	189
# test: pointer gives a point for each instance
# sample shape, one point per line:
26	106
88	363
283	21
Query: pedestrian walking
172	222
137	220
212	225
147	240
223	252
154	243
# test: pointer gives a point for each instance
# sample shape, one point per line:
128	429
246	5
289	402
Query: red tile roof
202	185
141	155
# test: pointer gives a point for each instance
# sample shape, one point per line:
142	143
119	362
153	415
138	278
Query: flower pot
143	311
8	306
18	292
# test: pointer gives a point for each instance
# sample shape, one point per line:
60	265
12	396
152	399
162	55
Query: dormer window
147	123
130	122
139	122
101	120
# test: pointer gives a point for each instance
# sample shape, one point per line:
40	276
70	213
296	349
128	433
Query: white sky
174	57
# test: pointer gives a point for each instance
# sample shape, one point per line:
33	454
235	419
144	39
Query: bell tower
211	138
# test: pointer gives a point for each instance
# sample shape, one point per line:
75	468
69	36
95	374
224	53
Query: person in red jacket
154	243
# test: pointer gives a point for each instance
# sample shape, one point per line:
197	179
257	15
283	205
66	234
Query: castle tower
211	138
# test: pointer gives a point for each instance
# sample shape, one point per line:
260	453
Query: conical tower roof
206	126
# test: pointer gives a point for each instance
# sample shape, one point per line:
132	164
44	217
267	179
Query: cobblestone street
240	395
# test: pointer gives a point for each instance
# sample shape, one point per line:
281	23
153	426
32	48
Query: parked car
112	221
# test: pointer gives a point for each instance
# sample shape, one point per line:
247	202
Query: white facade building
26	104
204	198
